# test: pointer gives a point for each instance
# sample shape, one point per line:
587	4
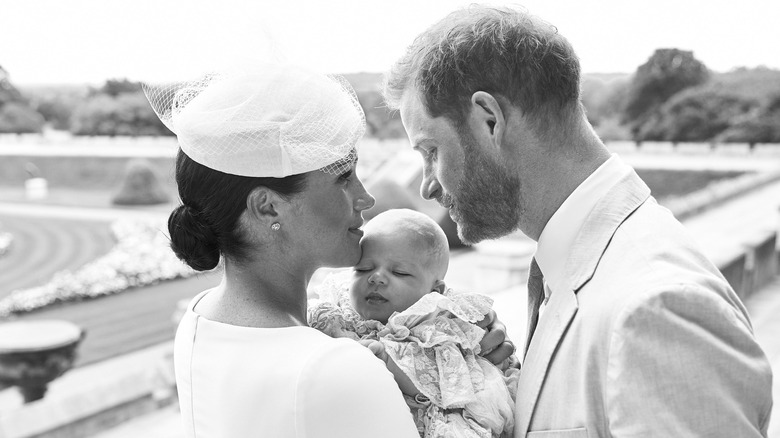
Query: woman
266	176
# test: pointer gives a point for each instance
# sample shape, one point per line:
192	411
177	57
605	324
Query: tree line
672	97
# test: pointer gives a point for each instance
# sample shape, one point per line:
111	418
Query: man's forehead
420	126
411	107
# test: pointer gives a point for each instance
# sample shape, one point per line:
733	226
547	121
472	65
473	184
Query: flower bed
140	257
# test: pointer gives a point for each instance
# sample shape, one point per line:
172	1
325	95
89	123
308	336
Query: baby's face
392	274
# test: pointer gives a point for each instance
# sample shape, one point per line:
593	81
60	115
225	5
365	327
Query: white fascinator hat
270	120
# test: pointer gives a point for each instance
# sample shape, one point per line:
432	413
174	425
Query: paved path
126	322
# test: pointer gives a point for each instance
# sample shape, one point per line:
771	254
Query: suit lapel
552	325
592	240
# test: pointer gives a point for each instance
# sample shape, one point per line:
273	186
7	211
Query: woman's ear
486	119
262	205
439	287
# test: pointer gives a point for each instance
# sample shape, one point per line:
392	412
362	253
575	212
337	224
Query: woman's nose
364	200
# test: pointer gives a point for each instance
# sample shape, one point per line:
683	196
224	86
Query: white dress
282	382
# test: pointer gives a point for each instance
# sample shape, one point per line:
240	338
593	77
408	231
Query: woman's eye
362	269
346	175
400	274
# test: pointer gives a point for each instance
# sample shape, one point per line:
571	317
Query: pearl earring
275	226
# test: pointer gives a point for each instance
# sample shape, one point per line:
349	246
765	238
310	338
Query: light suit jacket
648	339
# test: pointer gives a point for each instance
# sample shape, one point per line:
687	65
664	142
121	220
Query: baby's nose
376	278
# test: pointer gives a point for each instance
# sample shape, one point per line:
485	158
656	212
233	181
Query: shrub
140	186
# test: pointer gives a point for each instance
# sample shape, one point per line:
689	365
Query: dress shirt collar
561	230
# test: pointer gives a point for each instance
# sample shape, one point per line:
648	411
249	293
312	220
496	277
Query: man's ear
486	119
262	205
439	287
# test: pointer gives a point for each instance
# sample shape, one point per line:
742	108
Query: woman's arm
403	381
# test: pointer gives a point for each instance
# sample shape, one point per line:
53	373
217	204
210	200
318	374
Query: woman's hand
495	346
401	379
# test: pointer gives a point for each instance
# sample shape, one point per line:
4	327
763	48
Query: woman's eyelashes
347	175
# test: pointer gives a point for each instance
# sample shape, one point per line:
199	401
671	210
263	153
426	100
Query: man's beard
486	203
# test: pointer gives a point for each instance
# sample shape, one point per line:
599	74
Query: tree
667	72
115	87
761	126
696	114
56	110
8	93
603	98
18	118
123	114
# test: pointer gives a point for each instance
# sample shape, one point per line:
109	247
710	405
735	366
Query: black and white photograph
375	219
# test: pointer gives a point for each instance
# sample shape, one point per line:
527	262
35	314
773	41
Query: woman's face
328	215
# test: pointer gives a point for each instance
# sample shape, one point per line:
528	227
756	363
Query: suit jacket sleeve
683	361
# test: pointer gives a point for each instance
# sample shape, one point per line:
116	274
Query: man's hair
501	51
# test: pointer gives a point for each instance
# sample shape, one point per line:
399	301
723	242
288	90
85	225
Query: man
638	334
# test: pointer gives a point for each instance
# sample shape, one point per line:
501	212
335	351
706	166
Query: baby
397	298
405	256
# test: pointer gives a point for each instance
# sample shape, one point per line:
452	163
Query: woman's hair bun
193	241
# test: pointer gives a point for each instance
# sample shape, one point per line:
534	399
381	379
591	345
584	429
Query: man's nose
430	187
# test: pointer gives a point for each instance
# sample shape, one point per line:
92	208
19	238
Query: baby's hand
376	347
401	379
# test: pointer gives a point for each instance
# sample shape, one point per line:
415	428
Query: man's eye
401	274
361	269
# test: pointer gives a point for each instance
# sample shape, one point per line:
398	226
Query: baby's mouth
375	298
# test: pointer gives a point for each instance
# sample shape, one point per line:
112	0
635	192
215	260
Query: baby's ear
439	287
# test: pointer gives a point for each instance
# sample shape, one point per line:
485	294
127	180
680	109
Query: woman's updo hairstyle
205	226
261	125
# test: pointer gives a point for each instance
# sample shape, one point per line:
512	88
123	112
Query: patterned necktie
535	298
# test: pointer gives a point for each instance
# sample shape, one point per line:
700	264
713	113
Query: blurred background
686	92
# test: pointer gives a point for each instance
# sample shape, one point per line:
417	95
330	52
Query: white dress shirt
561	230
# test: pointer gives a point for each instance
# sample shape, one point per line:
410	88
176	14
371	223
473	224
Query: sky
89	41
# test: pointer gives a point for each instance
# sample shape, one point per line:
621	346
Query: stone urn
33	353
